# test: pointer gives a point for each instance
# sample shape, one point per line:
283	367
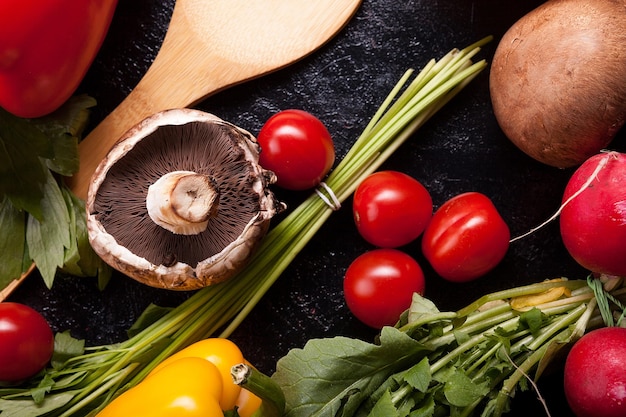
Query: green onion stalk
87	382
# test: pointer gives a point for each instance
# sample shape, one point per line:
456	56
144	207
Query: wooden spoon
211	45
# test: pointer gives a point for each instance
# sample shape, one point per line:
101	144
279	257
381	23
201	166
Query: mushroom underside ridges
121	202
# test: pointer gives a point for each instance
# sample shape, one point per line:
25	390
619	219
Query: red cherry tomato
26	342
391	209
297	147
379	286
466	238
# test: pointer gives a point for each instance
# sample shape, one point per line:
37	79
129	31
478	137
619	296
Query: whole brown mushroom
558	80
180	202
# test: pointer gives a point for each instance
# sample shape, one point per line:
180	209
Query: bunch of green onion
88	381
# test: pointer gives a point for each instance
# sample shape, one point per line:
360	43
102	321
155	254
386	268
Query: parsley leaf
384	407
22	172
48	238
63	128
42	221
461	391
12	244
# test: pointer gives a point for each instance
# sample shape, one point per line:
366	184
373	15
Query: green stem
111	381
521	371
548	332
519	291
401	394
473	328
264	387
431	318
507	325
481	358
558	330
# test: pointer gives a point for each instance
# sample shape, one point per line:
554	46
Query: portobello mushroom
180	202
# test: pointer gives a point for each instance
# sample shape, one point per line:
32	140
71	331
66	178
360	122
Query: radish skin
594	378
593	223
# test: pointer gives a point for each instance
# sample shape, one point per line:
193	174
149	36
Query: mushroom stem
183	202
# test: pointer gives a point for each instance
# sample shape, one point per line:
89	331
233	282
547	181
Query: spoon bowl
211	45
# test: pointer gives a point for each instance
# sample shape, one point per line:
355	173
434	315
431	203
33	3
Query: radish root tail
587	183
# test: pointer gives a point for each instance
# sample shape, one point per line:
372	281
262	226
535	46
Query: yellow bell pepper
189	387
224	354
204	379
247	403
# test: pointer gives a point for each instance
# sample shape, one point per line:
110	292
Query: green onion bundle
88	381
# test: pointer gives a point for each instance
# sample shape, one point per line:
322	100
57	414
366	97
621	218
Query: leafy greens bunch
41	220
433	363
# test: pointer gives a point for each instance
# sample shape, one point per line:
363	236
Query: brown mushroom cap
193	142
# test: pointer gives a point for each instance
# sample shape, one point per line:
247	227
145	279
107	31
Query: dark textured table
460	149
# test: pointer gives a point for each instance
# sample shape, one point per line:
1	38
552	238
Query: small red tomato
379	286
297	147
593	223
26	342
466	238
594	374
391	209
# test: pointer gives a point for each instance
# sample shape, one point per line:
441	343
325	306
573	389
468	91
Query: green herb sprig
87	381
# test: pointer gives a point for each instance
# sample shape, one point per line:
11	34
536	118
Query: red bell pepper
46	48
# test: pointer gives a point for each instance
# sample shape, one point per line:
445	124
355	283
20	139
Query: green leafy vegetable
64	128
103	372
44	223
47	238
461	391
65	347
21	171
355	368
438	374
80	259
22	408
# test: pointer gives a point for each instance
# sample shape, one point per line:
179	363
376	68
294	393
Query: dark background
460	149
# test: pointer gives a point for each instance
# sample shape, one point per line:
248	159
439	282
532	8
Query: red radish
595	374
593	221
